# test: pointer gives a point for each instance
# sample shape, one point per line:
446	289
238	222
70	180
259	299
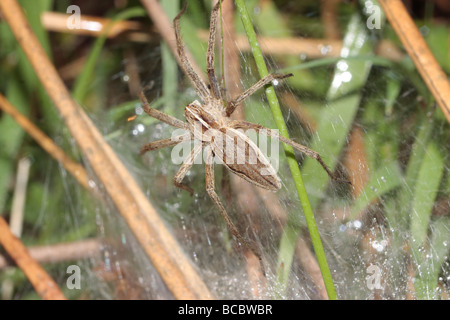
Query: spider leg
211	190
215	90
231	106
161	116
187	164
164	143
273	134
201	88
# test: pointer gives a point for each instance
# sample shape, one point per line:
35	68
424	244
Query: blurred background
355	97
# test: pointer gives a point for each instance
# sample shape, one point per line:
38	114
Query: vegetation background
368	113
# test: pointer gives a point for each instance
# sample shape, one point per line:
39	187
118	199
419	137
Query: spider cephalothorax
208	118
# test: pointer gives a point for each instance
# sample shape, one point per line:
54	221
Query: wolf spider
213	116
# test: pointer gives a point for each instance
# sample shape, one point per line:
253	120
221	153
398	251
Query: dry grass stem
329	15
418	50
133	31
309	263
19	197
74	168
356	162
132	70
245	192
309	47
41	281
292	102
60	252
95	27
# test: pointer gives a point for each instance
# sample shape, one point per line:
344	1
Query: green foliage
405	138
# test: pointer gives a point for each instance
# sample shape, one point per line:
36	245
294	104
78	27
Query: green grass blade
399	217
11	137
83	81
428	180
19	85
426	284
6	170
393	88
292	161
382	181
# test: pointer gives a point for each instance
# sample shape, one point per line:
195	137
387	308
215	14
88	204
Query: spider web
364	233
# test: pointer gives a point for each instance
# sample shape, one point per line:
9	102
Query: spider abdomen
242	157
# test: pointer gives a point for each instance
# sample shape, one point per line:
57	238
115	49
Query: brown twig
389	50
291	101
60	252
95	26
329	19
244	192
73	68
305	256
132	70
41	281
308	261
232	72
16	217
18	202
157	242
356	162
310	48
46	143
418	50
